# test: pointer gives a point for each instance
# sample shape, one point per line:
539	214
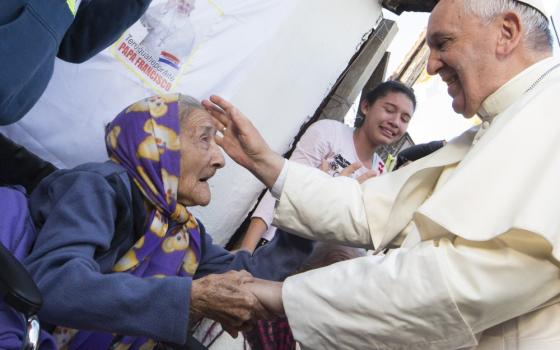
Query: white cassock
479	267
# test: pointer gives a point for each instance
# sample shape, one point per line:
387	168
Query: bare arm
257	227
269	294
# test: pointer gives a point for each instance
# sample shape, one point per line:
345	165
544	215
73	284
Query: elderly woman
118	254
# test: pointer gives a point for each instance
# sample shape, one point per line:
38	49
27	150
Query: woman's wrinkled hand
227	299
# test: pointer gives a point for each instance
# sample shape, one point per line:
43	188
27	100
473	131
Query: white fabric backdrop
275	59
67	124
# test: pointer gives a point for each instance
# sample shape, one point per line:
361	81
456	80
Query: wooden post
358	73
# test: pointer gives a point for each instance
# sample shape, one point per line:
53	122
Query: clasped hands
235	299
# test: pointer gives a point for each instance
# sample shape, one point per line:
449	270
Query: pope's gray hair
186	105
536	33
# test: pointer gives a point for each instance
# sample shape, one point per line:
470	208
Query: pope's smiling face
462	49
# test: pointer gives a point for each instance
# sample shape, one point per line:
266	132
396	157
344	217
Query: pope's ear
510	33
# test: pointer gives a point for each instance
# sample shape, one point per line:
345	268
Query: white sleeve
435	295
278	187
329	209
498	280
312	148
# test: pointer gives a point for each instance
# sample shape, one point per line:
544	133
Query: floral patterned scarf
144	139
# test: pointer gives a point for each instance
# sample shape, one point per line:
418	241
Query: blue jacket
34	32
72	259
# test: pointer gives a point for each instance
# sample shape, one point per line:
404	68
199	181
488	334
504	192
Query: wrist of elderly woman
227	299
209	292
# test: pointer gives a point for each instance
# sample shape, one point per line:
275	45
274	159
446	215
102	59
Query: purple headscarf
144	139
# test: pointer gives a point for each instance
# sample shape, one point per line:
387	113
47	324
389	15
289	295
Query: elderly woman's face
201	157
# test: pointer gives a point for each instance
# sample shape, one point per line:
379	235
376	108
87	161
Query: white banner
275	59
194	47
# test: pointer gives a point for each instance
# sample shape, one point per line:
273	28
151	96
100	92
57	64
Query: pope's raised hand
243	142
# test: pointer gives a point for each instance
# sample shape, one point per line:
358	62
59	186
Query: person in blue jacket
120	260
34	32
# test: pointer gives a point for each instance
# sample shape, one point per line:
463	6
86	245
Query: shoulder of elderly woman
77	210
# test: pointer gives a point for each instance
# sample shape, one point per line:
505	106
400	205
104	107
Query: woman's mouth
205	179
387	133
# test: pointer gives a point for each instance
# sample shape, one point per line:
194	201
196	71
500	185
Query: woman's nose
218	160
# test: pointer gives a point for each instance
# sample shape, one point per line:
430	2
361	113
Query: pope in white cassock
479	265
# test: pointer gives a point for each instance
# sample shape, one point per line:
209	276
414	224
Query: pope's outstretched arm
340	219
243	142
